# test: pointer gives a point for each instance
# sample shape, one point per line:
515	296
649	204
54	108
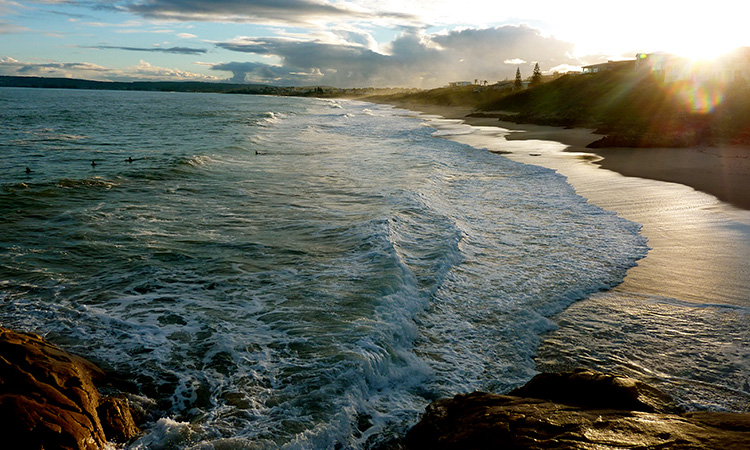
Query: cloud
9	28
514	61
413	58
257	11
90	71
173	50
338	65
147	71
11	66
243	72
186	36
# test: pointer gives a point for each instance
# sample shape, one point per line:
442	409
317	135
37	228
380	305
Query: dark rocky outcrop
49	400
576	410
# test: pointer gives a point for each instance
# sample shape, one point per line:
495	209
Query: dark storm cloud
285	11
174	50
417	60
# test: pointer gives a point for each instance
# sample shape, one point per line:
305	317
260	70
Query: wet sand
700	245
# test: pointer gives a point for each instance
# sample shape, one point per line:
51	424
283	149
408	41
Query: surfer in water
93	163
28	170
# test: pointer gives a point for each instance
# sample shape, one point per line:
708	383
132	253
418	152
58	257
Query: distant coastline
192	86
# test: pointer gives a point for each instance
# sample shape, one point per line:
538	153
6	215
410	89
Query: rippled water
277	272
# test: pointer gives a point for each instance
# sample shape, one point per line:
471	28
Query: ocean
306	273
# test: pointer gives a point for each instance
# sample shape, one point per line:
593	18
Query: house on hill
459	83
628	64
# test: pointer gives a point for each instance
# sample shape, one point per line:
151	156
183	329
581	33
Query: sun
701	49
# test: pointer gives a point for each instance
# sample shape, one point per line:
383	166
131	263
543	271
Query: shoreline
722	171
699	244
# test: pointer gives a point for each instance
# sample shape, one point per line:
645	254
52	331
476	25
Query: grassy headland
633	108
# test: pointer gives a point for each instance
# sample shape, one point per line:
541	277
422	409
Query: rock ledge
583	409
49	400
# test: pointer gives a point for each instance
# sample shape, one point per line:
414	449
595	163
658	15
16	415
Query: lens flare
703	99
698	97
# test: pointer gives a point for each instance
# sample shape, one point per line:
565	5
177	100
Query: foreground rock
48	399
577	410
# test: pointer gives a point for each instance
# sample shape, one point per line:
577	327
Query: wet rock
596	390
48	398
577	410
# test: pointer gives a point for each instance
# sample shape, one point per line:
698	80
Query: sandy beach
699	241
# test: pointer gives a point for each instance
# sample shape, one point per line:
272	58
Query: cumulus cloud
244	72
173	50
412	59
146	71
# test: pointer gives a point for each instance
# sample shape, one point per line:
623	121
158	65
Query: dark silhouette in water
93	163
130	159
28	170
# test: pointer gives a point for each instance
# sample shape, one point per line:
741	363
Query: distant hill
167	86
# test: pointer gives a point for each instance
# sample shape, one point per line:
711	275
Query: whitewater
283	272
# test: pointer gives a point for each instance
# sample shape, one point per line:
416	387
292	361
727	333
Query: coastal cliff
49	398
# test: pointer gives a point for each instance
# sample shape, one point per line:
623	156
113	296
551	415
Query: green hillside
632	107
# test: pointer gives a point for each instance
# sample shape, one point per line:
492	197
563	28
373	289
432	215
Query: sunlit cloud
412	59
11	66
564	68
294	12
376	42
146	71
250	72
142	71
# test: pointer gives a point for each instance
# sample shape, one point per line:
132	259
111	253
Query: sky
351	43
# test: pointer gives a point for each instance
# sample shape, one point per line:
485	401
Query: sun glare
701	50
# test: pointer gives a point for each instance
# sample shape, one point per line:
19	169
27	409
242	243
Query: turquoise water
281	272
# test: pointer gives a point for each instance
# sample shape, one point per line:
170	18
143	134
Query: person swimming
93	163
28	170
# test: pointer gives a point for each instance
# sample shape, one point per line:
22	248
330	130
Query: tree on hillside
519	83
536	78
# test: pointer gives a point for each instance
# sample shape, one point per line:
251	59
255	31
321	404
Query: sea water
283	272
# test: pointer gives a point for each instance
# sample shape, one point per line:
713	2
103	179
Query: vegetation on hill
632	107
